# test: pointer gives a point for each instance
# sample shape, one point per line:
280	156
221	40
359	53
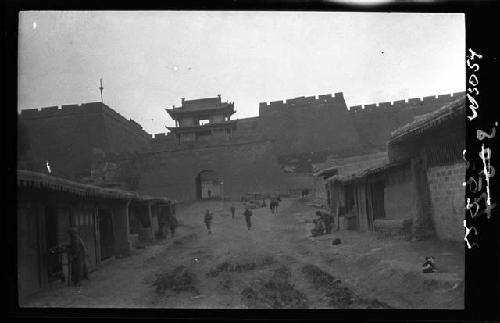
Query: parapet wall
310	101
406	104
324	123
83	109
320	100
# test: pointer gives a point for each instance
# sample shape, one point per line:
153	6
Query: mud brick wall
448	200
400	196
393	228
319	190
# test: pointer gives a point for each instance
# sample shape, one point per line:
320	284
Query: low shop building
149	216
48	206
434	144
363	199
418	192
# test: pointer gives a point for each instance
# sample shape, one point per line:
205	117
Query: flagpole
100	89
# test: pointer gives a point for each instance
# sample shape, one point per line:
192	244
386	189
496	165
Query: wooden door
28	256
106	239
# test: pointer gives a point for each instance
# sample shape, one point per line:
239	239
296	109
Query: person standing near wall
233	209
248	217
208	221
327	220
78	257
172	224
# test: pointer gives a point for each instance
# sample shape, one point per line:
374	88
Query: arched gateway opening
208	185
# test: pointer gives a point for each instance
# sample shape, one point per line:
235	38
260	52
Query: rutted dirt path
274	265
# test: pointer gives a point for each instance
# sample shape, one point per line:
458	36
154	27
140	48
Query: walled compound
389	167
273	152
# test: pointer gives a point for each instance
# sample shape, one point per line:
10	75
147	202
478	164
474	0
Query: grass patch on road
338	296
178	280
319	277
277	292
227	266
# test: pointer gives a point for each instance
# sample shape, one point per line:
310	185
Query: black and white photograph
223	159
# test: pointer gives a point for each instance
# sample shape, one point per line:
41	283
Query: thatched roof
345	167
364	172
430	120
327	172
32	179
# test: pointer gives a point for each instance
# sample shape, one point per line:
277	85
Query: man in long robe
77	254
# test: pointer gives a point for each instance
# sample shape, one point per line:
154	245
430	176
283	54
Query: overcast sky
150	60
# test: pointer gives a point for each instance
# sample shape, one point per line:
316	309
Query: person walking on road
276	205
208	221
233	209
248	217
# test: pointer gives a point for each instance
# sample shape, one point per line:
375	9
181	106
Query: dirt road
276	264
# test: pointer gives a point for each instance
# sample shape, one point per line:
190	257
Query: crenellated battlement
338	99
405	104
310	101
322	100
82	109
160	140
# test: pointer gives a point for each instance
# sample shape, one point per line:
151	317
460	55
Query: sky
150	60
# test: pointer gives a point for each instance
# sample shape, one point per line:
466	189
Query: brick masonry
294	127
249	167
400	200
66	136
448	200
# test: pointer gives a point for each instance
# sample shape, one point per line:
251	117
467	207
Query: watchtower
202	119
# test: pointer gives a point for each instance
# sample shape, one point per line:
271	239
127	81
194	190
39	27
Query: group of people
323	224
274	204
209	217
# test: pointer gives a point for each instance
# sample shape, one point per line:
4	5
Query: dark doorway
208	185
378	200
198	187
349	199
28	271
54	256
106	236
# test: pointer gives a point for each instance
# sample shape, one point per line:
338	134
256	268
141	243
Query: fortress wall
65	136
84	109
323	123
308	124
294	126
249	167
65	142
375	121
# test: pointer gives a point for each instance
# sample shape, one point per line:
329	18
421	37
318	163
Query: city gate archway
208	185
